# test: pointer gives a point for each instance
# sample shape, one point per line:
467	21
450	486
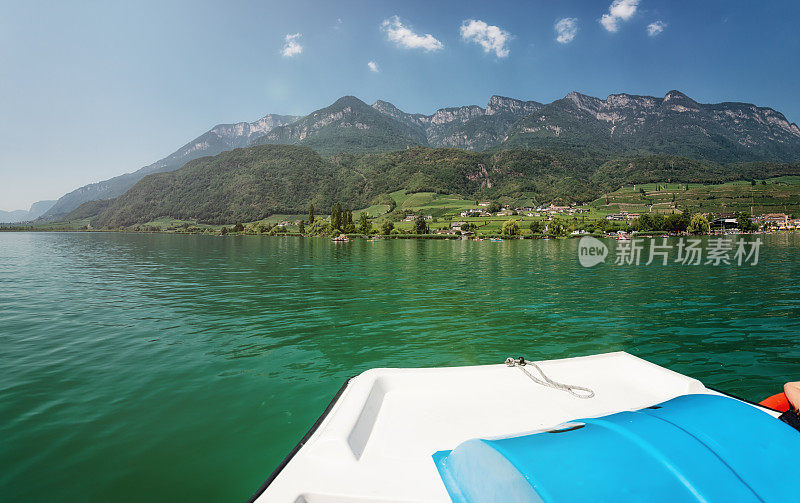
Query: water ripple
142	367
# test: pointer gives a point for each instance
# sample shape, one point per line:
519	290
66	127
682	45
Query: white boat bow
376	440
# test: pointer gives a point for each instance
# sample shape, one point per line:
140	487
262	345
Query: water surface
142	367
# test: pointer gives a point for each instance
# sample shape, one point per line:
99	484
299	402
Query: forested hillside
252	183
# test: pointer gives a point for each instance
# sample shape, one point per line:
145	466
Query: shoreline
431	237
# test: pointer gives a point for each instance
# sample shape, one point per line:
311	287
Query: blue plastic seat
690	448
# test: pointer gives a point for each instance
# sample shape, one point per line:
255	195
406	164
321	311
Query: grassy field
777	195
71	225
171	224
373	211
165	224
431	203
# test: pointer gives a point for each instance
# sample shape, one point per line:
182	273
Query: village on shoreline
486	221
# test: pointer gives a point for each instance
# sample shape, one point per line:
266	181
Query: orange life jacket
777	402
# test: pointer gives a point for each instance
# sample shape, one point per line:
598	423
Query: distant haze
36	210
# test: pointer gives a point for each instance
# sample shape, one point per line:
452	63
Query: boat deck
376	442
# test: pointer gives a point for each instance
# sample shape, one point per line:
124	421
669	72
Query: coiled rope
546	381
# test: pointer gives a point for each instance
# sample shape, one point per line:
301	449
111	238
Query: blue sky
93	89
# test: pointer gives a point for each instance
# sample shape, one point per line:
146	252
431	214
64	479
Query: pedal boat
608	427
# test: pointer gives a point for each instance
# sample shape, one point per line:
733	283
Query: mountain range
37	209
621	125
674	124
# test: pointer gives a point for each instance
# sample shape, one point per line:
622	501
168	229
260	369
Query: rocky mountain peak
677	96
271	121
240	132
679	102
504	104
461	114
389	109
583	102
623	100
348	101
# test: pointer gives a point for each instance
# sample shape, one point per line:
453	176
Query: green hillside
253	183
89	209
240	185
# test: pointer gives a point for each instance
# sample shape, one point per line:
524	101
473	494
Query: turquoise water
160	367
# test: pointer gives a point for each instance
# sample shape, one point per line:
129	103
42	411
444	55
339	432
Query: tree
363	223
348	226
336	217
658	222
645	222
557	228
745	223
494	207
698	224
238	227
677	222
511	228
302	227
311	216
420	225
319	228
387	227
536	226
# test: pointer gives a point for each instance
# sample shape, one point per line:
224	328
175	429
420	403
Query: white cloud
373	67
491	38
609	22
566	28
405	37
623	9
619	10
655	28
292	47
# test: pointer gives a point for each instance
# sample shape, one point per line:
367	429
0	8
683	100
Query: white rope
569	388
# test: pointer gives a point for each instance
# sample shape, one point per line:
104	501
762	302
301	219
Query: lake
140	367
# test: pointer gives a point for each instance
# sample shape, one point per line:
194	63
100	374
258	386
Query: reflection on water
142	367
